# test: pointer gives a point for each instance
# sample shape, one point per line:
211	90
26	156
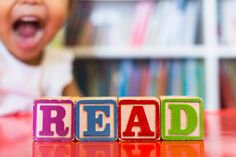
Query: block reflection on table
119	149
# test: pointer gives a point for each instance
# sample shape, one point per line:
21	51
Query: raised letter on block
53	120
96	119
182	118
138	118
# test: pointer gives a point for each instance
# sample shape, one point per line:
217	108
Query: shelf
152	52
227	52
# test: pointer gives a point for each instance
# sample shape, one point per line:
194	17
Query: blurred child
26	71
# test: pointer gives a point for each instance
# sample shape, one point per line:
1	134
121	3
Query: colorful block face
182	118
53	120
96	119
138	118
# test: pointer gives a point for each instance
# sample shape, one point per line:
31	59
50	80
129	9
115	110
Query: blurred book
77	20
227	20
133	23
228	83
143	15
174	86
141	77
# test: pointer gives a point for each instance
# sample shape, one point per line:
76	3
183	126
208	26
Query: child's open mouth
28	30
27	27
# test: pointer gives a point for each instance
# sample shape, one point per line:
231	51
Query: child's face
26	26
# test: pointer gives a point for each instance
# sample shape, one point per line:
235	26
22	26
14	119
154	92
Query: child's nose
31	1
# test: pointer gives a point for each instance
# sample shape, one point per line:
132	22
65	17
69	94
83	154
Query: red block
138	118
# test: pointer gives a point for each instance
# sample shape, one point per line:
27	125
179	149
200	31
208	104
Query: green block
182	118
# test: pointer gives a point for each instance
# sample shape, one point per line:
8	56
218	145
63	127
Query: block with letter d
138	118
96	119
182	118
53	120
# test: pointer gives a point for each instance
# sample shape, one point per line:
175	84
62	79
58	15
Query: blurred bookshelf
227	40
165	47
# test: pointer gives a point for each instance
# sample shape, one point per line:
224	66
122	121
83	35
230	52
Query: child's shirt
21	83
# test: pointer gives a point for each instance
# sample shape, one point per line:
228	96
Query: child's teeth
29	19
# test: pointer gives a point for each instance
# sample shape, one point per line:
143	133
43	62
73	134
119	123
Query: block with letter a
138	118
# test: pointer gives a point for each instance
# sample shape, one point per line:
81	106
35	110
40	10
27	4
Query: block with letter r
53	120
182	118
96	119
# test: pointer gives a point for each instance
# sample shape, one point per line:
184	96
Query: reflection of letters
45	151
52	151
182	148
126	149
138	150
182	151
55	149
98	151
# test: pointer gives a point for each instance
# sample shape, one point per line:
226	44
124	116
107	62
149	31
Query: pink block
53	120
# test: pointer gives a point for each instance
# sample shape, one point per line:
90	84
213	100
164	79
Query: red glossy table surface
220	141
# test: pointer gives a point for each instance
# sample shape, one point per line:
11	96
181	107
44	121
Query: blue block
96	119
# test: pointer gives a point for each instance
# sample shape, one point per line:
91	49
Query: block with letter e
53	120
138	118
182	118
96	119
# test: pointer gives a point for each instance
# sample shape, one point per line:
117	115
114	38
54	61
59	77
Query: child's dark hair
71	3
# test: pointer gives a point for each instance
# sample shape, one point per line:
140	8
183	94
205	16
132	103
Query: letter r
48	120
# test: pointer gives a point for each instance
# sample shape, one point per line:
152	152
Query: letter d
191	119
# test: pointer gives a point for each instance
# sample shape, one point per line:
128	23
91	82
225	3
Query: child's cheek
57	17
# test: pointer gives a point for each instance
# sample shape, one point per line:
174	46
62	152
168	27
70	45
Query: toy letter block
138	118
182	118
96	119
53	120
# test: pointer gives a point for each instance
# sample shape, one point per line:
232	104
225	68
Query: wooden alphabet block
96	119
53	120
138	118
182	118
